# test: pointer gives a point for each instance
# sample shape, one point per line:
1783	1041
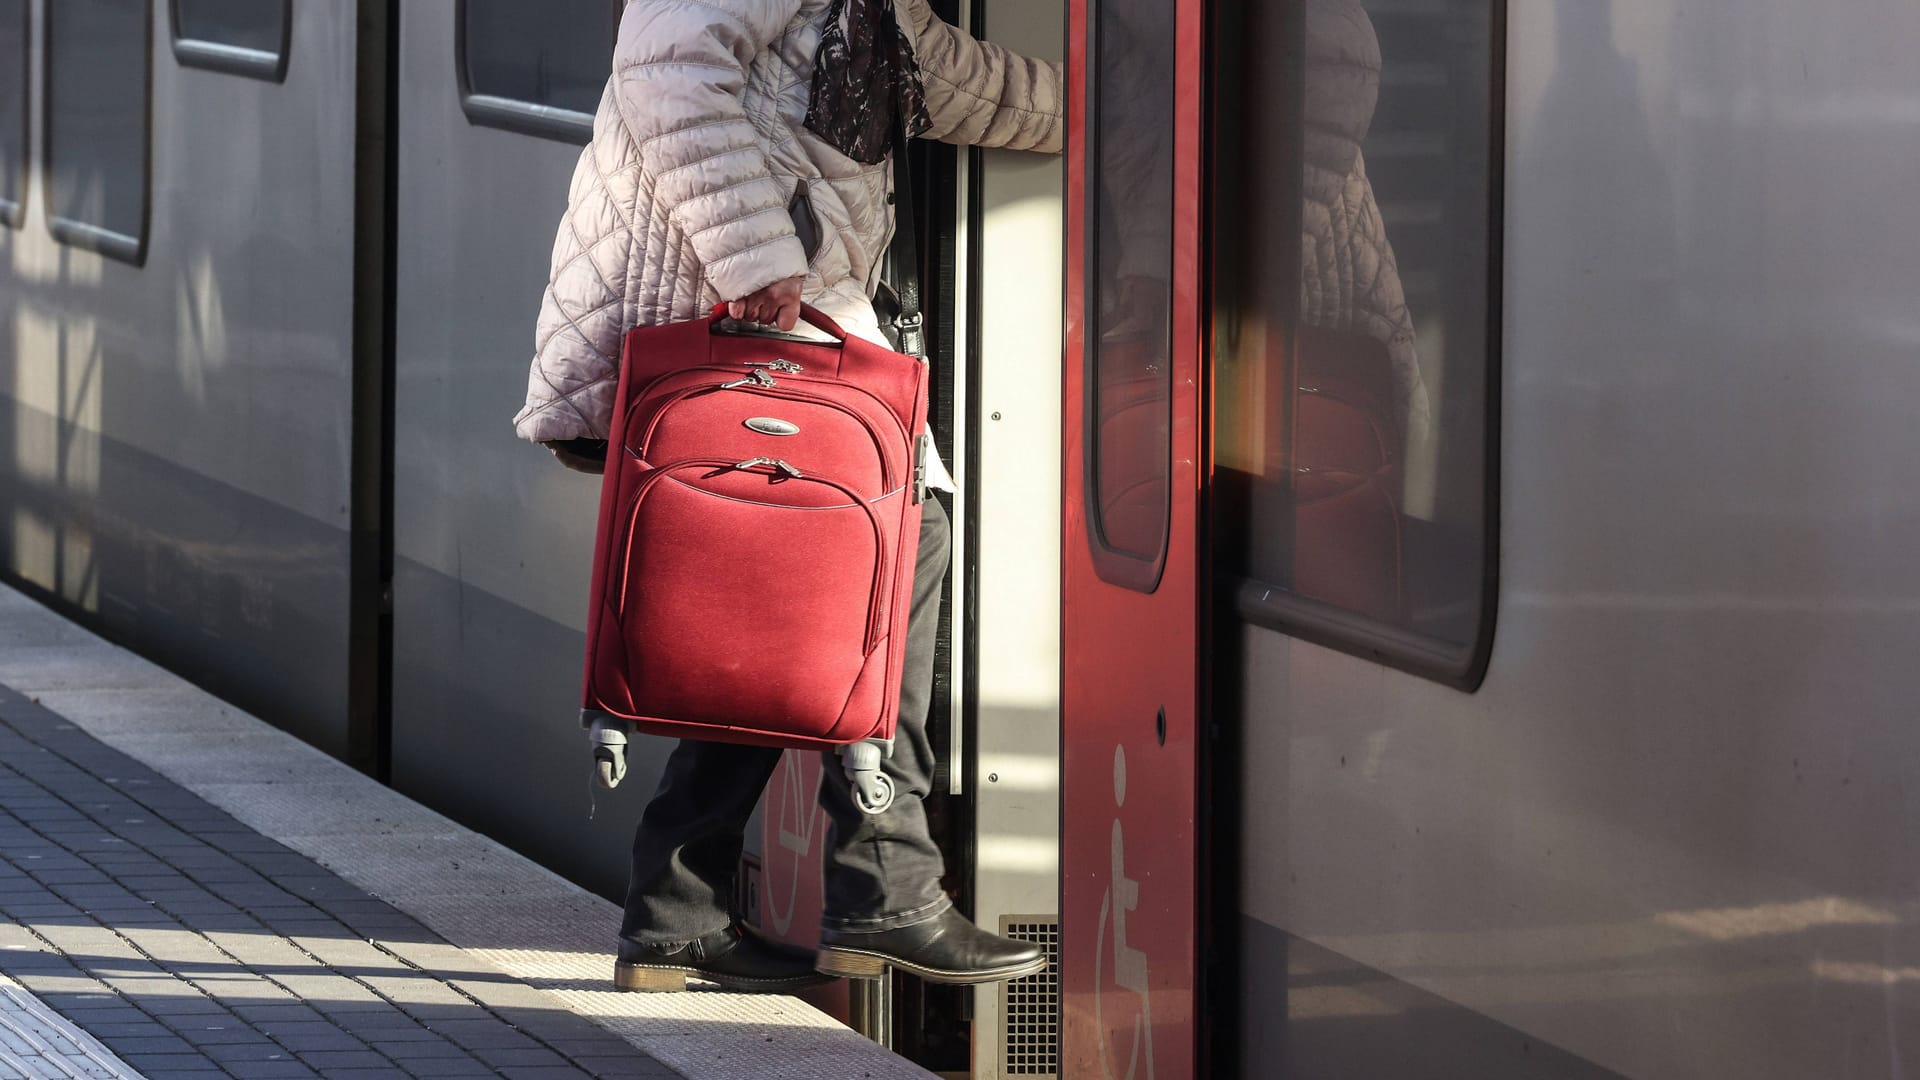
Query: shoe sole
860	964
665	979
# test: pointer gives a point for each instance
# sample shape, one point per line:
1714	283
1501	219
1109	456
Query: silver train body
1675	832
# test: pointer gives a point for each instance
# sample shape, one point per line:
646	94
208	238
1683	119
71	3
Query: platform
190	892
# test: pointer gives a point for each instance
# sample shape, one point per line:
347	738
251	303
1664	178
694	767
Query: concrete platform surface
189	892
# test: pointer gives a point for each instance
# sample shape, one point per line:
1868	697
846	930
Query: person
741	155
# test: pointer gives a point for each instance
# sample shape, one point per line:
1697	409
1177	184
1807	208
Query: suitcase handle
808	313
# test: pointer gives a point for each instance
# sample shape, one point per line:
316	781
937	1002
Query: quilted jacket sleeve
981	94
680	69
576	344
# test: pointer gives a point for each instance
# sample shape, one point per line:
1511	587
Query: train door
1131	588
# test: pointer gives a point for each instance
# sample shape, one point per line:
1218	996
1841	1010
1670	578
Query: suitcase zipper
768	389
774	467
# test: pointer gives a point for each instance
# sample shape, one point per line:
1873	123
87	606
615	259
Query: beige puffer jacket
1349	278
698	150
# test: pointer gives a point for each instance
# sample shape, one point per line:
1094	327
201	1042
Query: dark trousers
883	871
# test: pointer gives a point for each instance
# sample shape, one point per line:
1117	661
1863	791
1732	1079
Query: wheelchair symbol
800	818
1129	964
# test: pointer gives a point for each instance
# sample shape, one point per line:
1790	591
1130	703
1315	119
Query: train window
241	37
98	59
536	69
1130	298
13	112
1356	258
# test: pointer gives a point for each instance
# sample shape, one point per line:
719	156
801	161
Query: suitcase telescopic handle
812	316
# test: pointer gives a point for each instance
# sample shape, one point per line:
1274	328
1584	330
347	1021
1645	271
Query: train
1433	590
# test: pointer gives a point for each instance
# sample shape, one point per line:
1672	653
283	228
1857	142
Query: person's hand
778	304
580	455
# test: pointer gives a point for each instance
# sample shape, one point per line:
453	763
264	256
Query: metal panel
180	431
1030	1007
1130	660
1674	834
492	537
1016	242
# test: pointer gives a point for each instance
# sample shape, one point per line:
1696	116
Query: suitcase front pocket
749	597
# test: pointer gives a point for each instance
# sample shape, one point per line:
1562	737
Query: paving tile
328	1060
311	1042
421	1050
353	952
419	991
519	1056
435	1013
165	1043
481	1034
181	1006
234	922
155	1063
553	1072
106	1014
60	993
390	1035
260	1049
308	927
118	1029
377	1021
222	1035
44	961
633	1066
273	1015
446	1067
271	1070
327	991
215	1019
235	989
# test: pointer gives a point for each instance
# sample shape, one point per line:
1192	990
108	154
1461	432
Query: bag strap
905	252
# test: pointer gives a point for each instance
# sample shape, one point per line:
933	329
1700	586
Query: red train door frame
1131	666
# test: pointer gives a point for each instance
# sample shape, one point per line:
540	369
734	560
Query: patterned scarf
864	76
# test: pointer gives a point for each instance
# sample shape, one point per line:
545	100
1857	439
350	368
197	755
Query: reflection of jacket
1349	281
699	150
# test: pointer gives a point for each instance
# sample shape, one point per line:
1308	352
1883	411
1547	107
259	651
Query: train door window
241	37
13	111
1130	298
1355	244
97	80
538	69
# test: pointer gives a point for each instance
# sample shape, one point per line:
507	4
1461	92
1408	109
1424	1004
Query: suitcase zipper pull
784	367
783	466
920	448
757	377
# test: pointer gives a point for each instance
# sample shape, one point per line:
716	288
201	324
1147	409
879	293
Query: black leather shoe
734	957
947	949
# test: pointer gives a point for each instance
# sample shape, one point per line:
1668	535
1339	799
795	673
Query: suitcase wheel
872	792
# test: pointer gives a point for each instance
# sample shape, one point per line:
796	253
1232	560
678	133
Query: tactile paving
36	1043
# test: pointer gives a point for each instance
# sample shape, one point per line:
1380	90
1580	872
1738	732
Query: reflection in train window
13	111
243	37
1353	227
1130	272
536	68
98	55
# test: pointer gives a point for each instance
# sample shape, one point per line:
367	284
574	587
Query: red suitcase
759	522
